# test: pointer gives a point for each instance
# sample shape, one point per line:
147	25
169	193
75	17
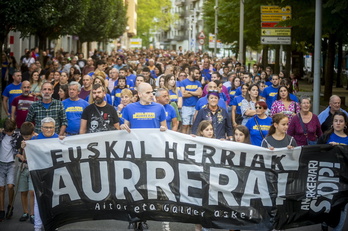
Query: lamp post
241	31
216	8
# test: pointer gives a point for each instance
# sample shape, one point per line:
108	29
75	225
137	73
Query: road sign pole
216	25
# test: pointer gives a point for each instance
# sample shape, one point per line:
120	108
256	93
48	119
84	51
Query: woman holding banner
277	137
337	135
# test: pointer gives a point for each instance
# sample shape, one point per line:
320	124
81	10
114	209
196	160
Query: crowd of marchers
54	96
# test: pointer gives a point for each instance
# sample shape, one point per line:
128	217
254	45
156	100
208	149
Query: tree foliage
105	20
53	18
153	15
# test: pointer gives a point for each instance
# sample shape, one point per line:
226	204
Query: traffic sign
276	32
201	41
275	17
201	35
271	24
276	40
275	9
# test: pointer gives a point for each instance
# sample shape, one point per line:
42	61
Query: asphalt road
14	224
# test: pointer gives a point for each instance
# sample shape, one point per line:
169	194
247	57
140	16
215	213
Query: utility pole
216	8
189	32
317	54
241	32
194	33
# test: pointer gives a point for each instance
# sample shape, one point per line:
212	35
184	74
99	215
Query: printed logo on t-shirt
74	109
191	87
273	94
262	127
16	91
144	115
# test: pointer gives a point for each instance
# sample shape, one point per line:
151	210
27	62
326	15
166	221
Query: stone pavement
112	225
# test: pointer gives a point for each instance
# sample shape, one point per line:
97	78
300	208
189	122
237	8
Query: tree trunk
244	54
329	70
276	62
42	46
339	64
265	56
88	48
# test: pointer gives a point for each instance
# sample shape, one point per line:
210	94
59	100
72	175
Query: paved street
108	225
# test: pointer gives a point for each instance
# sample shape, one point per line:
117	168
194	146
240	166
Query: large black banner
168	176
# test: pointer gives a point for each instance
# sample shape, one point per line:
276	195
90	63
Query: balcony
179	38
179	2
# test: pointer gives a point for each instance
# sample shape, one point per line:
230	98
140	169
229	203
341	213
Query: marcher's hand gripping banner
169	176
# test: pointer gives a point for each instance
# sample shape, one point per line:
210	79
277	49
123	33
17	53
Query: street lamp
216	8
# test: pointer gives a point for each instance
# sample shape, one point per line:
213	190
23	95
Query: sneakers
9	213
2	215
32	219
143	226
132	225
24	217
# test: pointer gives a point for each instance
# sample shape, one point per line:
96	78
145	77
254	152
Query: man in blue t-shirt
162	97
191	90
269	93
12	91
73	107
144	113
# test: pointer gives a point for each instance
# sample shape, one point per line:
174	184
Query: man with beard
99	116
191	89
47	107
21	104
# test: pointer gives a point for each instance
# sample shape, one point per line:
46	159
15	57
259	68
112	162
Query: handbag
309	142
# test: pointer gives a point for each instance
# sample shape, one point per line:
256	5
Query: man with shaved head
145	113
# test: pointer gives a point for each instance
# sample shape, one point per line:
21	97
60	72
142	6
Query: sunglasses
258	107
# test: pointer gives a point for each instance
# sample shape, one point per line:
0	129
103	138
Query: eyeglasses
48	128
258	107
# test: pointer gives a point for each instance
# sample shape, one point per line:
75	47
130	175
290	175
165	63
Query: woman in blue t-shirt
337	135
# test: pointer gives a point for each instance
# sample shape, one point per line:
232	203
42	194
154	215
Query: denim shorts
25	183
7	173
187	115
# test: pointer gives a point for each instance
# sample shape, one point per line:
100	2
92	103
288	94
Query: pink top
278	107
313	130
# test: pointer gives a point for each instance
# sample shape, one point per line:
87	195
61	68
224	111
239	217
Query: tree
53	18
106	19
153	15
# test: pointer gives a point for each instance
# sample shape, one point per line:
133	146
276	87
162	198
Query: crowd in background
204	96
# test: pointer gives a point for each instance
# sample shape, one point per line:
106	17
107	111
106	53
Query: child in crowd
25	185
241	134
116	93
8	148
205	129
277	137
